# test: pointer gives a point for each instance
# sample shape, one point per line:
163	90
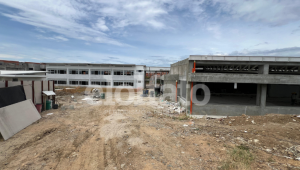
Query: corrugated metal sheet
49	93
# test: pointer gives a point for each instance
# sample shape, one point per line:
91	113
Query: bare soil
146	135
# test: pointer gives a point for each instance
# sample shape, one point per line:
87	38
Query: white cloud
60	16
135	12
101	21
8	56
296	30
70	17
214	29
100	25
37	59
289	51
56	38
271	12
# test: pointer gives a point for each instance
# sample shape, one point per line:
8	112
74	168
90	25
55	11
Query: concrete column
144	78
263	94
263	69
190	67
89	76
258	94
263	97
188	95
68	83
266	69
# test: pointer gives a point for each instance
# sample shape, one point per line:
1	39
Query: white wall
38	91
28	89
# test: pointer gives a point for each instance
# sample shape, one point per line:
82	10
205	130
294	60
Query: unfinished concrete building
16	65
251	85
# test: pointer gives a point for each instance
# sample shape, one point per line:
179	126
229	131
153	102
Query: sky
146	32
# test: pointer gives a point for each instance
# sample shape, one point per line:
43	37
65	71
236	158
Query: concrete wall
34	66
169	87
169	90
180	68
235	110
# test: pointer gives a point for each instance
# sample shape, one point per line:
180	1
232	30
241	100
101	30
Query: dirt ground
147	134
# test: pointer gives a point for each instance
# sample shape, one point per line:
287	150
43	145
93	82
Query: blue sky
150	32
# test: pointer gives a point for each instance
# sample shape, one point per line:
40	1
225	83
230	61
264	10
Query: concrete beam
170	77
203	62
244	78
245	58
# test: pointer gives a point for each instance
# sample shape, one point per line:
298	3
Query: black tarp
11	95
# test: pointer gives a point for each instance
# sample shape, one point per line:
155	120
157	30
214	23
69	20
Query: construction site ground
148	134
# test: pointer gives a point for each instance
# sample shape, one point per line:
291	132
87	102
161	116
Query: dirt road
145	135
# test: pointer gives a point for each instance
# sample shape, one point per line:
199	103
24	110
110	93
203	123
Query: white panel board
15	117
2	84
13	83
45	86
38	91
51	85
28	89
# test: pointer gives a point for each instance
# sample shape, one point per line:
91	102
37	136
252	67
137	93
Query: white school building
106	75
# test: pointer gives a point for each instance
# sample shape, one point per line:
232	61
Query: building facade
105	75
16	65
86	74
235	85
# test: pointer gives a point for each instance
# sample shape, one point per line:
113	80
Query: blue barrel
145	91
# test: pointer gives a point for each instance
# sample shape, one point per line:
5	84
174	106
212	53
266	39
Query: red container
39	107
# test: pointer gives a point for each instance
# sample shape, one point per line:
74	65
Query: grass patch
243	147
240	157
